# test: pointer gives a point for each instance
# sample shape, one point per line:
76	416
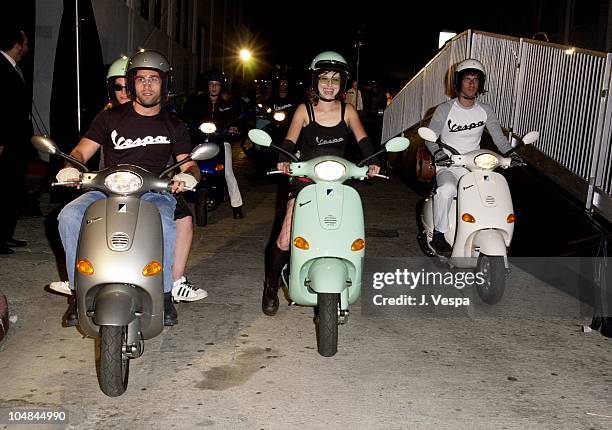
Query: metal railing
561	91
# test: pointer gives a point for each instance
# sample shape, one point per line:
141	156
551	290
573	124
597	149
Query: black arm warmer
288	146
367	148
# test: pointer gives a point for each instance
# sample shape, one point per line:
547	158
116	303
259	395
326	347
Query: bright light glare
330	170
486	161
444	37
245	55
123	182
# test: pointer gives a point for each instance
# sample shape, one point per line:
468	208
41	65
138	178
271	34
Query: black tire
494	270
201	209
114	364
327	324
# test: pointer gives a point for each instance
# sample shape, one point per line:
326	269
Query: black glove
516	160
440	156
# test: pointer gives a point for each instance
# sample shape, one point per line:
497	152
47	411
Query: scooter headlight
486	161
330	170
123	182
279	116
208	127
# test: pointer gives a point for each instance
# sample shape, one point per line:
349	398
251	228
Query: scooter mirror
531	137
428	134
260	137
397	144
44	144
205	151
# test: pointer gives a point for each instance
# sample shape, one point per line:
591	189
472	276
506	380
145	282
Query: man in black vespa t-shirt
139	133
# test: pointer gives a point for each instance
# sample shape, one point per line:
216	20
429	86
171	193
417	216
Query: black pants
13	168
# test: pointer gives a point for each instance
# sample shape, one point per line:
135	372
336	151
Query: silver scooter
119	261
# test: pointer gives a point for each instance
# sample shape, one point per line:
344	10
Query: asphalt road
521	364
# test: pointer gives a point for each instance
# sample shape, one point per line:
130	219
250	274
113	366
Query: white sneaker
62	287
183	291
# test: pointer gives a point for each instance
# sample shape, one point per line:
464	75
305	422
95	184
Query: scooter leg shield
115	306
490	242
328	275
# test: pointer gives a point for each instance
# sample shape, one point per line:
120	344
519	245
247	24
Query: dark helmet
469	66
328	61
116	70
215	75
152	60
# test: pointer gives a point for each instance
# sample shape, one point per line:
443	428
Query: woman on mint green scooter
324	122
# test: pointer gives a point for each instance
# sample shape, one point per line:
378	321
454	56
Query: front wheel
494	271
327	324
201	208
114	363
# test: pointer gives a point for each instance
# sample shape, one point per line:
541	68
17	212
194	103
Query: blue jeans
71	216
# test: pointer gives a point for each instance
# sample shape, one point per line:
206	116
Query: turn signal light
85	267
358	245
301	243
219	167
466	217
151	269
511	218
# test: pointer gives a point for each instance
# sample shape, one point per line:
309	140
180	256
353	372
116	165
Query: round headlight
279	116
123	182
330	170
486	161
208	127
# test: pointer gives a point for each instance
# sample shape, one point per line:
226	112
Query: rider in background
459	123
214	106
323	123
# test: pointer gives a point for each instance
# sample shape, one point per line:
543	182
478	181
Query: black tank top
319	140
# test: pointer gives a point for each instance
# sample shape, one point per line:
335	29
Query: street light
245	56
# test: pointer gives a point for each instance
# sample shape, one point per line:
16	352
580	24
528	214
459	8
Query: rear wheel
327	324
494	271
114	363
201	208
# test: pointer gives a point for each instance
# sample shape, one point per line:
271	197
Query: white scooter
481	217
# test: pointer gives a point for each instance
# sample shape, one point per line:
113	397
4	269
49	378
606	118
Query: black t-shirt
145	141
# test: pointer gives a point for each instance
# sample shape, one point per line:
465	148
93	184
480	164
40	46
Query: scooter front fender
116	305
328	275
490	242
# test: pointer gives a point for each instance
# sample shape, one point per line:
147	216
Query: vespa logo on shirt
327	142
123	143
454	128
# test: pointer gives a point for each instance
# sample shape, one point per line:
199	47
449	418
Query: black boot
72	318
237	212
170	314
440	244
269	299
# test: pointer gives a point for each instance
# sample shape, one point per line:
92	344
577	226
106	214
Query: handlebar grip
74	183
378	175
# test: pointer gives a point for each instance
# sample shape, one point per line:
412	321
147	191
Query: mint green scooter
327	238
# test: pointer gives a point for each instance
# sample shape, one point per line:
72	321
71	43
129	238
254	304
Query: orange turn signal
85	267
301	243
511	218
219	167
151	269
358	245
466	217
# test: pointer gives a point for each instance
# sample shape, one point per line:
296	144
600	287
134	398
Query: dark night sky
398	36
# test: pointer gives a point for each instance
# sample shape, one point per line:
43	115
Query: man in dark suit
15	133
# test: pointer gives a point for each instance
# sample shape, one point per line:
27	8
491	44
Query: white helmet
329	61
470	65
